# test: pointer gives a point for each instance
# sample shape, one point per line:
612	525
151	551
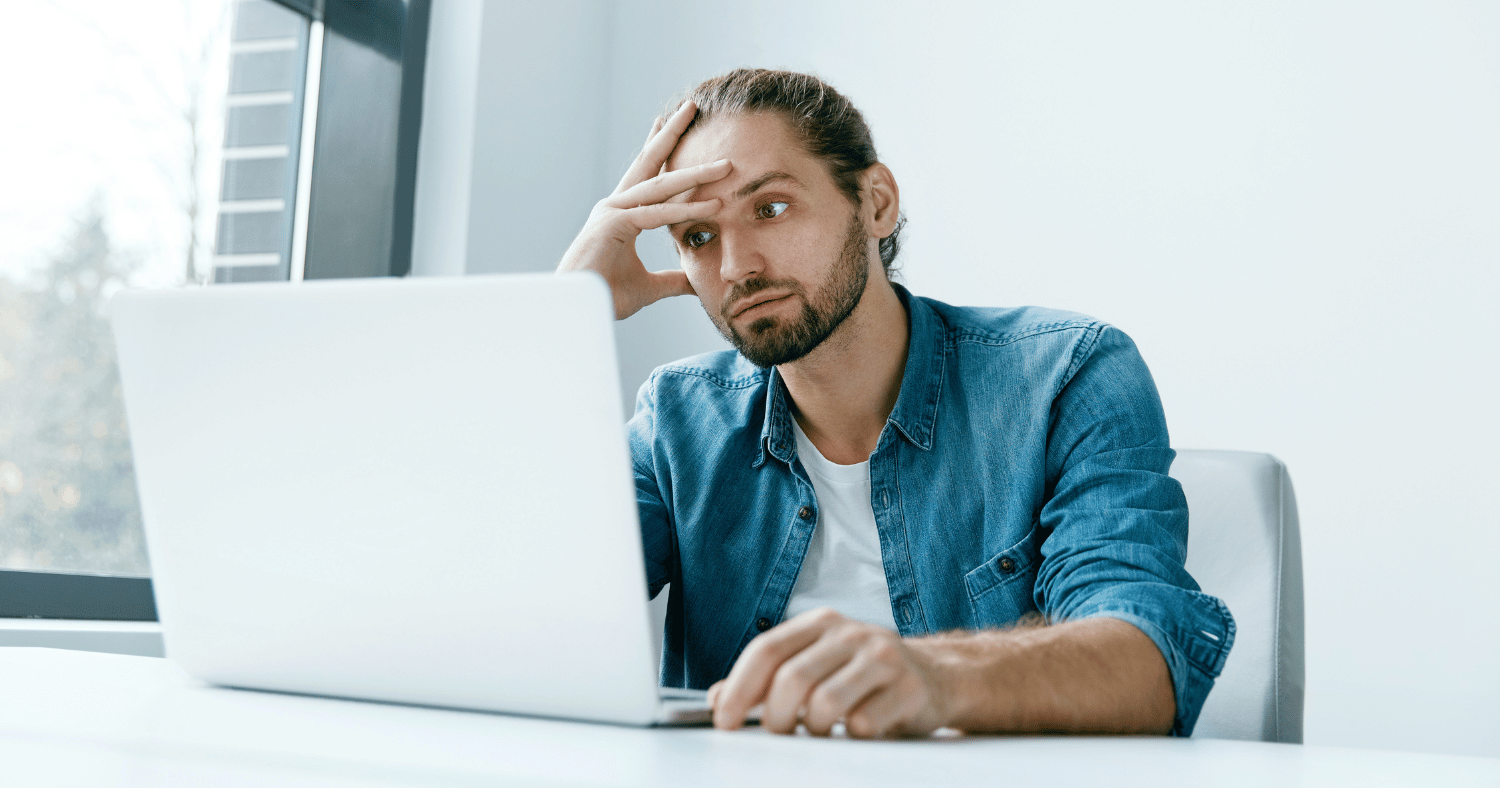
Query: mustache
752	286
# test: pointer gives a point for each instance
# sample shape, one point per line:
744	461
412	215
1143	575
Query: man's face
787	257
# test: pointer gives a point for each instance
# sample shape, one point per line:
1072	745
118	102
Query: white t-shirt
842	569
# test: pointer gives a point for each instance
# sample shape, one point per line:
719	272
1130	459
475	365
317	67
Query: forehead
754	143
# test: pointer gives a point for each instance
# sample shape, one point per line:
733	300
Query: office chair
1244	547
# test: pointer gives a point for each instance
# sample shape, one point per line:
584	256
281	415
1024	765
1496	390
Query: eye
697	238
771	210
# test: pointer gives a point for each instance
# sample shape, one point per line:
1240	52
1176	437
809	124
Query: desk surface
80	718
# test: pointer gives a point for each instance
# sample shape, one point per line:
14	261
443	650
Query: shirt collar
915	414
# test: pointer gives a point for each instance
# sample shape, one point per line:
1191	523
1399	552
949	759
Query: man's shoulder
1004	325
720	369
720	390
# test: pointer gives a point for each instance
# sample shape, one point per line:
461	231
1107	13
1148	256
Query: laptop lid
411	490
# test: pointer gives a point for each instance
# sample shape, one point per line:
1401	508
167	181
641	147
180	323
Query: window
324	109
171	142
268	56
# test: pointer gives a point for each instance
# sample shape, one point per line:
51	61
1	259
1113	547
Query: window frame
75	595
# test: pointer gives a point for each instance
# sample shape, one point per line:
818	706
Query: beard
769	341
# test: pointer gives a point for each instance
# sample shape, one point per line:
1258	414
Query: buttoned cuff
1193	631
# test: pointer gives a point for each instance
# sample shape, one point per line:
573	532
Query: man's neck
843	392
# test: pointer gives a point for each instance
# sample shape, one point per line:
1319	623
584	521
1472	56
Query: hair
827	124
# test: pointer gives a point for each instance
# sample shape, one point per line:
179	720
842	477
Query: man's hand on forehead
660	143
643	200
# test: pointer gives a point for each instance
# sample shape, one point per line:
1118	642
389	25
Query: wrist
974	673
957	688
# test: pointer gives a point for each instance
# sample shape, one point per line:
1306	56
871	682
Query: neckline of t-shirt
814	461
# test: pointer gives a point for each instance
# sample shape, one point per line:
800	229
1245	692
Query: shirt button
762	624
805	513
1007	566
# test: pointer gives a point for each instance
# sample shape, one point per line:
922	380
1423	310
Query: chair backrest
1244	548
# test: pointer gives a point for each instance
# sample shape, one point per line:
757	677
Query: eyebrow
753	187
761	182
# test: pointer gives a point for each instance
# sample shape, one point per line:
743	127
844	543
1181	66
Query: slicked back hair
827	123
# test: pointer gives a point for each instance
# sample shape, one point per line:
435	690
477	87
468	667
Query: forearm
1098	675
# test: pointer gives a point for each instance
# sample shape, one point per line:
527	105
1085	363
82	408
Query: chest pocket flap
1000	589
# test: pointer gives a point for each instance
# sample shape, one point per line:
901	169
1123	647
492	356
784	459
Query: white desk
80	718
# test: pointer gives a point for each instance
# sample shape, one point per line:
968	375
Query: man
856	508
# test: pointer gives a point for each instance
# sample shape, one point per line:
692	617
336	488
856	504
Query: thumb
672	283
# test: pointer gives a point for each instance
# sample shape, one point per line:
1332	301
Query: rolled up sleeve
1116	524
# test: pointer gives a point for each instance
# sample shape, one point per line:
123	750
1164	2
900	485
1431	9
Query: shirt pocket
1001	589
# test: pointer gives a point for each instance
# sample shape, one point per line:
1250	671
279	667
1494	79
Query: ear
882	200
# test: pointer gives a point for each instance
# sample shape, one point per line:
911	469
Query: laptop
414	490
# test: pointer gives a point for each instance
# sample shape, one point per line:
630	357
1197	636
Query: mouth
757	301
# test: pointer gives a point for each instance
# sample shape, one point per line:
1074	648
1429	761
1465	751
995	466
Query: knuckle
768	646
754	650
885	650
825	699
852	637
793	674
826	616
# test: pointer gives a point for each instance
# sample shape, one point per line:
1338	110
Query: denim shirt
1023	468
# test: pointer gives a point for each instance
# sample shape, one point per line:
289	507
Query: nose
738	259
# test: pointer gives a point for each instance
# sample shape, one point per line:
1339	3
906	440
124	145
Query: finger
668	284
713	689
844	690
888	710
667	185
659	147
797	679
625	179
750	678
650	217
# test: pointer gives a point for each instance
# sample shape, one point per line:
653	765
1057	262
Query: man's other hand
819	668
606	245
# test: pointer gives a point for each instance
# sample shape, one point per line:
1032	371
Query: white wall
514	116
445	148
1293	207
